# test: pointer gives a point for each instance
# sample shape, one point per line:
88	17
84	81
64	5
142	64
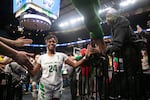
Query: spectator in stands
145	35
145	64
6	60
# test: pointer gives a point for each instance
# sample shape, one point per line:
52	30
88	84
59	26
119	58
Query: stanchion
100	63
5	86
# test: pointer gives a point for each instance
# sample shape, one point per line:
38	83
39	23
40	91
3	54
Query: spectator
145	35
6	60
18	42
16	71
144	59
123	41
19	56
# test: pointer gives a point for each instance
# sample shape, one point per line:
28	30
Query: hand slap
23	59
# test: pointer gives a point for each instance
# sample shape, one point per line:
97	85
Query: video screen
49	5
17	4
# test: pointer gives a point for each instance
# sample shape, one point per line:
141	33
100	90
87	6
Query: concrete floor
65	96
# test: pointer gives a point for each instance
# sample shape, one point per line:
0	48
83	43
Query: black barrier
10	90
124	85
5	86
146	84
117	79
96	85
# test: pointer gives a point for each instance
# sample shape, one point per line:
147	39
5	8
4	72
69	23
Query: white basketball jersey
51	68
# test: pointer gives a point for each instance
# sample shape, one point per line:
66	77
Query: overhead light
127	2
72	21
64	24
20	29
80	18
104	10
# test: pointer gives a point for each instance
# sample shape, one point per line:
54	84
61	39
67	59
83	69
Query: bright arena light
104	10
82	18
127	2
71	22
64	24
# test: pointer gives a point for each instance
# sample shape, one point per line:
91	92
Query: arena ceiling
67	10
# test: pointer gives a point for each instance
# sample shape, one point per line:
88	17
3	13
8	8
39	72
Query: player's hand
139	29
91	50
87	52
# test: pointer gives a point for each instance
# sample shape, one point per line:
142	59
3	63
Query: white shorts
47	92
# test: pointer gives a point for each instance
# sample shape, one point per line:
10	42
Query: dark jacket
121	32
15	70
124	38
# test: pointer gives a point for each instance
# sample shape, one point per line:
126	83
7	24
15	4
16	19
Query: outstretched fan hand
22	41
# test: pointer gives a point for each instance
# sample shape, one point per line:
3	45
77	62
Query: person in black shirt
124	45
